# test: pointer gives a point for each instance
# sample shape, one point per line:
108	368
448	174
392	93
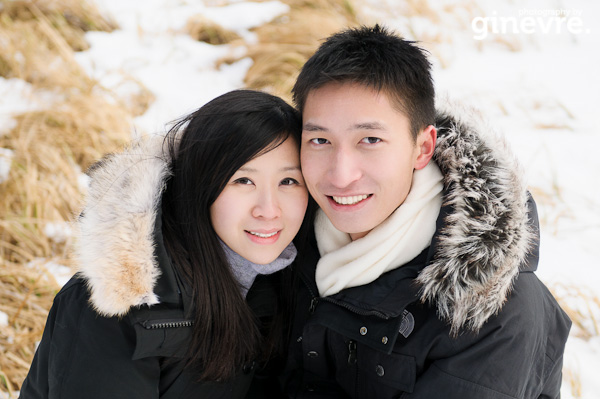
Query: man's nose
344	168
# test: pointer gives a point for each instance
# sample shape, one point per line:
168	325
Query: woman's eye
371	140
289	182
243	180
319	140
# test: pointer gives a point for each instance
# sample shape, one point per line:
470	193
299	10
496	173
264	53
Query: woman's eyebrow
290	168
283	169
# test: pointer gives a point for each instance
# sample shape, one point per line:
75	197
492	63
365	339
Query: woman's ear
425	146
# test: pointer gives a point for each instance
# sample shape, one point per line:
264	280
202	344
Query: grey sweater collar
245	271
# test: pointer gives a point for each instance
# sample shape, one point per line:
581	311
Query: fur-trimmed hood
488	234
479	250
115	246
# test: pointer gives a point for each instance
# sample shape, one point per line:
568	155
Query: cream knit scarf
402	236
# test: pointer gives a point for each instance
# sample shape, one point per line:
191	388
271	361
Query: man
421	281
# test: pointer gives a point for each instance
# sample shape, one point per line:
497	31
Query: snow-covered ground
529	66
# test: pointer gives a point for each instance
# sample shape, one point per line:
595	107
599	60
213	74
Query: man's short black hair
379	59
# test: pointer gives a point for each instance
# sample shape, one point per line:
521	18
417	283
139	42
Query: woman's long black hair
206	148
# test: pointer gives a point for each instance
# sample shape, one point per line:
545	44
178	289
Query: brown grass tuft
572	380
204	30
70	18
287	42
582	305
25	293
37	39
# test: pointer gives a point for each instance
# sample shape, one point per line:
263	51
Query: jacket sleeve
86	355
517	354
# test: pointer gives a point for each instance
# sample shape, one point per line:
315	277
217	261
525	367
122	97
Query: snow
6	156
529	72
58	231
60	273
152	47
3	319
16	96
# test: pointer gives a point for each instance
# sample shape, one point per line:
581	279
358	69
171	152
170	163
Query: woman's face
261	208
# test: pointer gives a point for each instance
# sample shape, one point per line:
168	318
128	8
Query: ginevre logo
530	21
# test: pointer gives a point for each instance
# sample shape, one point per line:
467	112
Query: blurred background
81	78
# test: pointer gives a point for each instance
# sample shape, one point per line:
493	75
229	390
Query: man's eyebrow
311	127
374	125
369	126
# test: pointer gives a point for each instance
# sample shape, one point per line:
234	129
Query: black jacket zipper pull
313	305
351	352
159	324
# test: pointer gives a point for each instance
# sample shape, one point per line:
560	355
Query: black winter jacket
466	319
118	328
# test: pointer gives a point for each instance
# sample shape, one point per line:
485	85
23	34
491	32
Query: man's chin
347	224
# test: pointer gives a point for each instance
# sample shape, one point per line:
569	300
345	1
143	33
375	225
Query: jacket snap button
312	354
379	370
363	331
384	340
249	367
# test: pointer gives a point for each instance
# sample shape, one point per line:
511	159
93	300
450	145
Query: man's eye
371	140
319	140
243	180
289	182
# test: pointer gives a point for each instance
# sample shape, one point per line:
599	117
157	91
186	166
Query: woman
182	249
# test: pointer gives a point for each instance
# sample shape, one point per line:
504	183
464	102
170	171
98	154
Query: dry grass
572	380
38	37
50	149
582	305
205	30
286	43
25	293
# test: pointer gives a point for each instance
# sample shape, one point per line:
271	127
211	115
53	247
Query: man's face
358	156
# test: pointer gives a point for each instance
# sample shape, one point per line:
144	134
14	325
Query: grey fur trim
487	236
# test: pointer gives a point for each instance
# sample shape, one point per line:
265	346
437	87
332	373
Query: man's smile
350	200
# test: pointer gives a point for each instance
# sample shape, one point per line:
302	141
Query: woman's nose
267	205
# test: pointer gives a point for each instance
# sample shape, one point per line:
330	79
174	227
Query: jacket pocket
162	338
367	373
385	376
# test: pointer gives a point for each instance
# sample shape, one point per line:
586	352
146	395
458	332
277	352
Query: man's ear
425	146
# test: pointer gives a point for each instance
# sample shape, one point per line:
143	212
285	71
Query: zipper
313	304
175	323
351	352
352	363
